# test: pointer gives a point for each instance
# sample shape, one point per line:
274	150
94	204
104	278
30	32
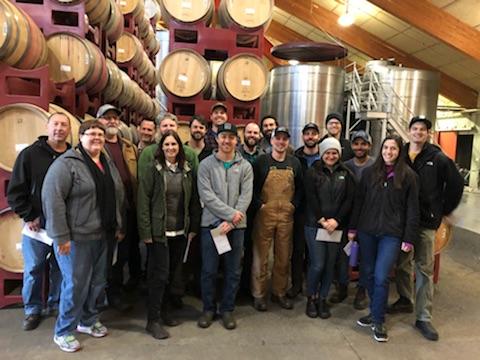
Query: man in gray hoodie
225	185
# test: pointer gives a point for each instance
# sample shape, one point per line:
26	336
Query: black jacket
440	184
25	186
380	209
328	194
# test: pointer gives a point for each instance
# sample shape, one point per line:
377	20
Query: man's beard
112	131
311	144
197	135
251	142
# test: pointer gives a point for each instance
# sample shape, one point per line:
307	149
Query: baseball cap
107	107
420	118
361	134
227	127
310	125
218	104
281	130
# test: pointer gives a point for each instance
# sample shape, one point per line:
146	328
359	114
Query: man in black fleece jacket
23	194
440	188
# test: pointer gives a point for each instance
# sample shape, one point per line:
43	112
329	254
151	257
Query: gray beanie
330	143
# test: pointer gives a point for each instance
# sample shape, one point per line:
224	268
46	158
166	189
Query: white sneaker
97	330
67	343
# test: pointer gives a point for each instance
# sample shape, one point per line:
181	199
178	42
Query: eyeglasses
94	134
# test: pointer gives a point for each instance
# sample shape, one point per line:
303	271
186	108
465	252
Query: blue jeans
84	280
232	270
379	254
35	257
321	267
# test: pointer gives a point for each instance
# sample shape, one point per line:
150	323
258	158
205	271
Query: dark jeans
342	263
232	270
379	254
157	277
322	256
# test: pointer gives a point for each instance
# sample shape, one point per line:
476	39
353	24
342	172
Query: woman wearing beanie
329	189
386	216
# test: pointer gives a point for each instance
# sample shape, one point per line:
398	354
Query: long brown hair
399	168
159	154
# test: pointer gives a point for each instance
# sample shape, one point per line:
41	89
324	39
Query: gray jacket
224	191
69	200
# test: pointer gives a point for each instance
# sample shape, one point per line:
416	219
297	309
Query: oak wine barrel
11	257
114	25
98	11
246	14
134	7
187	11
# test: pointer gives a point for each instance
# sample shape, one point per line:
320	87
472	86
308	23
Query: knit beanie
333	115
330	143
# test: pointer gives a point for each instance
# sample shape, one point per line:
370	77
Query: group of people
214	199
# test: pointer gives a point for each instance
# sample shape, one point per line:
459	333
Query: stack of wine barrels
185	73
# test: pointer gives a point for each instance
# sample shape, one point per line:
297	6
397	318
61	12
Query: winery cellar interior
378	63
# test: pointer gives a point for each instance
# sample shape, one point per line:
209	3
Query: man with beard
218	116
307	155
24	197
250	151
198	130
251	137
124	155
277	192
267	125
361	145
147	131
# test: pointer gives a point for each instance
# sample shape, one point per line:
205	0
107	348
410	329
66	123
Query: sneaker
427	330
31	322
366	321
360	302
380	333
340	294
402	305
67	343
97	330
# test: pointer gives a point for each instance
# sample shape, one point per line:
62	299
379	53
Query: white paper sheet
40	235
221	241
348	248
324	235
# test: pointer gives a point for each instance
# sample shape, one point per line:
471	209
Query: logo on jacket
429	163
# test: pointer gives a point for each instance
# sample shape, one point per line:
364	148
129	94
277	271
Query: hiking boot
206	319
340	294
260	304
293	292
157	330
312	309
323	309
360	302
283	302
31	322
168	320
427	330
402	305
228	320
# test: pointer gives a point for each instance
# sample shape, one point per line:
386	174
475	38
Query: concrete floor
276	334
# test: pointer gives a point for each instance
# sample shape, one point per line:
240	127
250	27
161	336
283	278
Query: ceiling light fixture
347	18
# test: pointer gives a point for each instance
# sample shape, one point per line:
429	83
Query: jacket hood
42	143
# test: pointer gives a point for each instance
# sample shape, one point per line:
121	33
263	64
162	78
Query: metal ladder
374	101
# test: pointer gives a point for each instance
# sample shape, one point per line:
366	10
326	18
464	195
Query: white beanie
328	144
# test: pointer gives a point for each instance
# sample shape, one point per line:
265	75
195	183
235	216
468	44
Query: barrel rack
214	44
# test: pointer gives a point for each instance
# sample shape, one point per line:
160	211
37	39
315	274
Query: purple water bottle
354	254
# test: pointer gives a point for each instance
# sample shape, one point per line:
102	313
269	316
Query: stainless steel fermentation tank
415	92
299	94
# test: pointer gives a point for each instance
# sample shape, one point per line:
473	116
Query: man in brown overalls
277	191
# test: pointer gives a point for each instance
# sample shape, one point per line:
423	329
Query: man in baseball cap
334	126
218	116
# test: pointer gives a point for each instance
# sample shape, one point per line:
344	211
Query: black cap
334	115
361	134
420	118
218	104
311	125
281	130
227	127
